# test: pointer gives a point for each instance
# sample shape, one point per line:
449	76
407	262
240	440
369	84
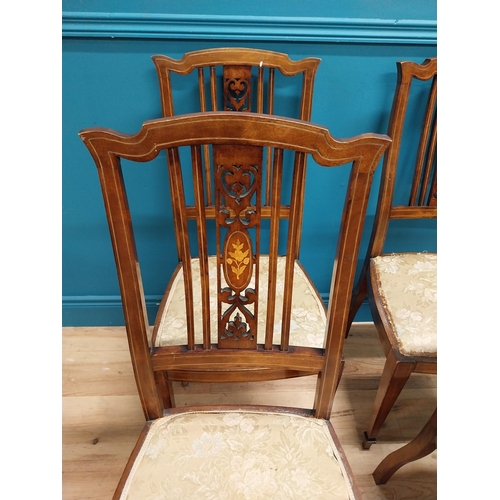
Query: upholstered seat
407	286
237	455
307	327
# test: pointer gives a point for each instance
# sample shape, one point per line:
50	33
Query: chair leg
358	295
418	447
342	365
394	378
165	390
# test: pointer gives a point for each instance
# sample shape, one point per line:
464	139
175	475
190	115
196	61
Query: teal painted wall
109	80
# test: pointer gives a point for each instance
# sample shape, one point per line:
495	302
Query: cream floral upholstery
237	455
407	283
308	320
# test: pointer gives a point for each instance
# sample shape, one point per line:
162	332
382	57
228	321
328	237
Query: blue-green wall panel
111	82
342	9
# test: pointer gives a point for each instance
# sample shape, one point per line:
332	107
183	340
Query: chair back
422	193
240	80
238	143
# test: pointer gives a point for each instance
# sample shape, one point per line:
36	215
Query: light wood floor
102	416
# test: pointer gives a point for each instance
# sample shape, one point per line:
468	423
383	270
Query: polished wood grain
102	415
422	203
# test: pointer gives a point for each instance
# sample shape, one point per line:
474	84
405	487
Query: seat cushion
308	318
223	455
407	284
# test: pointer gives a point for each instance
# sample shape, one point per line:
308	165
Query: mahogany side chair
402	287
246	297
241	80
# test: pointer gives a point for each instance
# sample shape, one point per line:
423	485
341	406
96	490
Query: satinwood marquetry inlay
238	260
238	181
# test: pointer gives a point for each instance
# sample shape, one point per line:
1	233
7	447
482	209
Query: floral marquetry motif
237	192
238	260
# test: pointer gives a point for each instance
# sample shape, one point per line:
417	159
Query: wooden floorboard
102	415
